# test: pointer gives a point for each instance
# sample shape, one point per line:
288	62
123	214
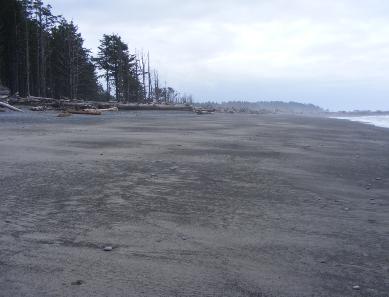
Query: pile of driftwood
200	110
69	107
164	107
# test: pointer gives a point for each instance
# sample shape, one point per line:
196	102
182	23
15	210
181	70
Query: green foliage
119	68
42	54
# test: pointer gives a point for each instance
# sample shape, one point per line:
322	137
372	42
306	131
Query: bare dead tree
149	78
143	66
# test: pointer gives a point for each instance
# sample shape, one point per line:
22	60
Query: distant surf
379	121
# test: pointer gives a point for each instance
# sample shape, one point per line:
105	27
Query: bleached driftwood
87	112
6	105
114	109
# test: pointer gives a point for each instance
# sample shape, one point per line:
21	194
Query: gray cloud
334	53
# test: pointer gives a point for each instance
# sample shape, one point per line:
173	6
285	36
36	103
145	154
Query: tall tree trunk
27	36
38	64
108	89
149	77
15	57
144	77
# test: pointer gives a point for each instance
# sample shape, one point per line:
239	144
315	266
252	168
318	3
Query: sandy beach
213	205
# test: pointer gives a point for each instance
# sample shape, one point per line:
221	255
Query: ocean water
379	121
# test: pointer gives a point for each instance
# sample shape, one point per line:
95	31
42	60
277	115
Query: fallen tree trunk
5	105
113	109
87	112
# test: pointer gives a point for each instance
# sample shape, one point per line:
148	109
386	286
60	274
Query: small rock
77	283
356	287
108	249
378	178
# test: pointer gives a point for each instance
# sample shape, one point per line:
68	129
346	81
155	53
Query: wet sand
218	205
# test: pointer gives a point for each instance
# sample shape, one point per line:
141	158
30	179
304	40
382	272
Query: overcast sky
334	53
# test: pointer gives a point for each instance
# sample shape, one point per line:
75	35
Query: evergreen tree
119	68
44	55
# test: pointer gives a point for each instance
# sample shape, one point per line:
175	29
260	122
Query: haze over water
379	121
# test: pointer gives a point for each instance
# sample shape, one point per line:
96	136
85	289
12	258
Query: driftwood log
113	109
87	112
6	105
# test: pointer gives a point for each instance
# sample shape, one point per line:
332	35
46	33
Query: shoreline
381	121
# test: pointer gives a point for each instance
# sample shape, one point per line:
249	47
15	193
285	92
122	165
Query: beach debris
92	110
6	105
356	287
38	108
86	112
165	107
64	114
108	249
77	283
201	111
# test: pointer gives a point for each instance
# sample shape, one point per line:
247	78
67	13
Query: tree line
264	107
43	55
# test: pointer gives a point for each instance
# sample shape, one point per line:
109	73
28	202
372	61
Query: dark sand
218	205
